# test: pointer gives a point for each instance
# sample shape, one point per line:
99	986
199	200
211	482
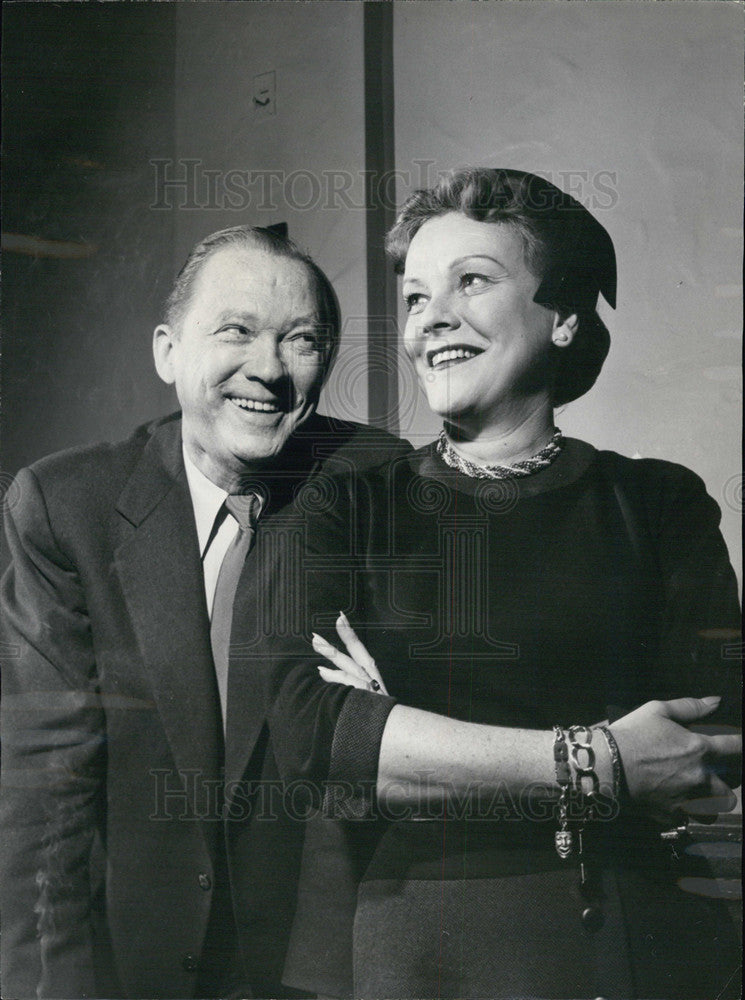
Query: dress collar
574	460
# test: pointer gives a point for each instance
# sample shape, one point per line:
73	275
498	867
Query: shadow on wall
87	101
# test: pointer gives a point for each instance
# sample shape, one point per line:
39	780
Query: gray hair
272	243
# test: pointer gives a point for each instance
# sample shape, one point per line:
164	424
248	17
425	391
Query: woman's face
479	343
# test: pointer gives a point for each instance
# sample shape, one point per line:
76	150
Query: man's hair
563	244
255	237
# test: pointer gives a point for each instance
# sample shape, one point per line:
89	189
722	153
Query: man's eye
234	331
307	340
414	302
473	281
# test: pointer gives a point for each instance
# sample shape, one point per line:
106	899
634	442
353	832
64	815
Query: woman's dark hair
272	243
565	246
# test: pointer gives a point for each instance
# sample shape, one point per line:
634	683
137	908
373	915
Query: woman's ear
564	330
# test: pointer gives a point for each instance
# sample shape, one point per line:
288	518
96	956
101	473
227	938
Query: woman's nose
263	359
437	315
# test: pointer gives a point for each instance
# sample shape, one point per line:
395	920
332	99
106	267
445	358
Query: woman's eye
473	281
414	302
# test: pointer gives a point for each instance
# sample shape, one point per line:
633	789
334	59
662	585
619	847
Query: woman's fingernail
343	618
712	699
319	639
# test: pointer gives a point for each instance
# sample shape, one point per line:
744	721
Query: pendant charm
563	841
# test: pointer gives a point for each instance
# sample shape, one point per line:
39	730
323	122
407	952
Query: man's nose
263	358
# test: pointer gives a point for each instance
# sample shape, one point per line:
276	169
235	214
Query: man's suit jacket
113	741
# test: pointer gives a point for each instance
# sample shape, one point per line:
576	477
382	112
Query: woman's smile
454	354
477	338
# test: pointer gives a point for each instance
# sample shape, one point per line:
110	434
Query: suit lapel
161	575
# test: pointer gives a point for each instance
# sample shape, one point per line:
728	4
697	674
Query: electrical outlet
264	96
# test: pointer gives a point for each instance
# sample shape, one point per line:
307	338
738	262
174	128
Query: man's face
248	360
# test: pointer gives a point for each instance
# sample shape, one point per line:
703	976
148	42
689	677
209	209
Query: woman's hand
668	767
356	669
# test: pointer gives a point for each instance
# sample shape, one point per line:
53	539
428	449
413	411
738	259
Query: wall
636	107
103	106
87	100
302	166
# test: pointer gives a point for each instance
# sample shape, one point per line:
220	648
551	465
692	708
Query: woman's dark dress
567	597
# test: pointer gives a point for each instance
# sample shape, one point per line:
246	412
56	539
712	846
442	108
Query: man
119	875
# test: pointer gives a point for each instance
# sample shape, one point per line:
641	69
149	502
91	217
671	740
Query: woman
529	587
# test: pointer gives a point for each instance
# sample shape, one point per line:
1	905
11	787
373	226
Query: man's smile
256	405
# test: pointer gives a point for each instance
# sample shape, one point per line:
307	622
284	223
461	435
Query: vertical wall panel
380	165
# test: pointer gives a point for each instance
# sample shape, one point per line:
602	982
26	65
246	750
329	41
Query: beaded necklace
527	467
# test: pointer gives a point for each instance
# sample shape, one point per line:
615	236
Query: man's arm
52	762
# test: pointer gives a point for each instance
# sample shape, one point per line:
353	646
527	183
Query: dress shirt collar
206	499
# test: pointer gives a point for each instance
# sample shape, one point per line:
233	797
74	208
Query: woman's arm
325	732
427	760
668	768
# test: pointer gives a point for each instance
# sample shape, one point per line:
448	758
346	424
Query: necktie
245	509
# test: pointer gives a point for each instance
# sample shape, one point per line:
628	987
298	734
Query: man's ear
163	344
564	330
